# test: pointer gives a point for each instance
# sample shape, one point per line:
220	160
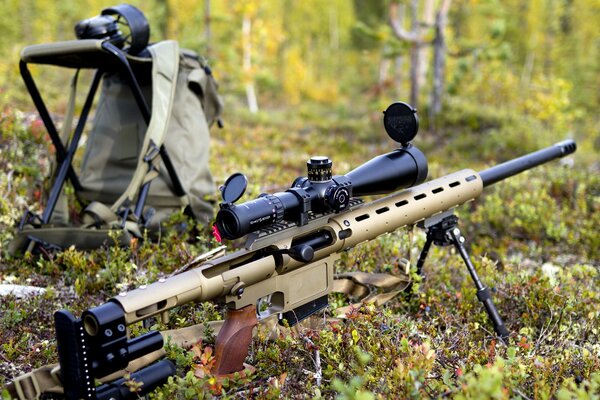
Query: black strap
139	29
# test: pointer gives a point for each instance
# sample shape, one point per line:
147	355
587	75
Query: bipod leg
483	293
424	253
442	230
420	262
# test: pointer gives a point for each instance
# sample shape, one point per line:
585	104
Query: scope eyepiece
235	221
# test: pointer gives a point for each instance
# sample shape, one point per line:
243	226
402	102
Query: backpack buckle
56	376
27	387
152	152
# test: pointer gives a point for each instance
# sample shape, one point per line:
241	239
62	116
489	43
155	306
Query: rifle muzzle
528	161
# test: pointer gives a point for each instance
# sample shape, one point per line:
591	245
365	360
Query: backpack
133	175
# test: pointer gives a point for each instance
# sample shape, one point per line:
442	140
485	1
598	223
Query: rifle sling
369	288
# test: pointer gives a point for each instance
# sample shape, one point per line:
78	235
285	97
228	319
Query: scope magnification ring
278	208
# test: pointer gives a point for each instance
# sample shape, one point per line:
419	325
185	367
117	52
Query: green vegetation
519	85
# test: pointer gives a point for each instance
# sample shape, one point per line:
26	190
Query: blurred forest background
472	61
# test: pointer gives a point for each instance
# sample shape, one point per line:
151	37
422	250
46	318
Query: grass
534	241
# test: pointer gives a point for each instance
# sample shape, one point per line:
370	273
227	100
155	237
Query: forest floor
534	240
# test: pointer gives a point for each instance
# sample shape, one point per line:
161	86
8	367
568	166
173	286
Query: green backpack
128	180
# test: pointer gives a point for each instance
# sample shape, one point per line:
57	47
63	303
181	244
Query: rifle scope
322	192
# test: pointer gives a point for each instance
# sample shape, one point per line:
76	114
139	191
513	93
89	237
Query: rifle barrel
520	164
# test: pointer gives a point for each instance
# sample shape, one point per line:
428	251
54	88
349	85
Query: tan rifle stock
263	276
243	278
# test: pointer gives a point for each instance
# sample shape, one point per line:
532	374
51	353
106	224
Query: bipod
442	230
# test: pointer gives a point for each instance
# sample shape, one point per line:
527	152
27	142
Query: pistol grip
234	340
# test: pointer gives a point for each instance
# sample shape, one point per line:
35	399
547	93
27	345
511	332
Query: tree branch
399	31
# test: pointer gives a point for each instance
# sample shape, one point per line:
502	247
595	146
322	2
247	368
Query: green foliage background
520	76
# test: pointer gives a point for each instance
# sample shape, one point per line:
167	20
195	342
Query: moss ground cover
534	240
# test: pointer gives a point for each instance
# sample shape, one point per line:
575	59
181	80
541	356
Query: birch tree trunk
399	73
247	64
439	62
207	32
428	22
415	56
384	67
414	37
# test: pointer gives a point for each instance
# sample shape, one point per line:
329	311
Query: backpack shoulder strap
165	65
